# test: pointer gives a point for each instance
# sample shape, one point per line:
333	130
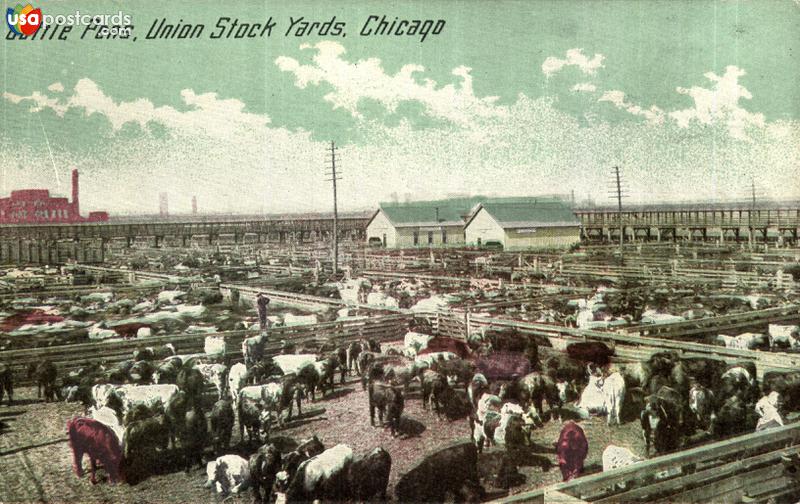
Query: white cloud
720	104
585	87
654	114
575	57
39	102
366	79
56	87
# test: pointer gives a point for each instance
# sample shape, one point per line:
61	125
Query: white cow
100	395
430	358
416	341
488	411
215	374
99	332
321	468
148	395
294	363
214	346
789	334
237	378
109	417
508	411
228	473
170	296
604	395
739	373
617	456
768	409
745	341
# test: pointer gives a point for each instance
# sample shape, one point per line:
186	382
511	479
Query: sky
693	100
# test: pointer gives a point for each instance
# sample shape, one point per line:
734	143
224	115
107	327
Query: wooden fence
746	468
71	357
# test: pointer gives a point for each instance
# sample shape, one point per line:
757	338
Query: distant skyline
691	98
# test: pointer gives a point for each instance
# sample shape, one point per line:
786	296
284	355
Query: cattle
701	404
289	364
305	450
415	341
364	360
251	415
253	349
745	341
733	417
784	336
308	377
262	371
531	419
110	419
403	373
100	394
768	409
595	352
486	420
237	378
509	430
368	476
787	384
93	438
325	370
45	375
738	381
228	474
605	395
221	421
154	353
476	388
6	383
444	344
535	388
144	438
563	369
274	396
503	365
387	400
323	477
450	471
456	370
618	456
215	346
167	371
707	372
571	450
434	390
193	436
216	375
428	359
150	396
263	465
662	420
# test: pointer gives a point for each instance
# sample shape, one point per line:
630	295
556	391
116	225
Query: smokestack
163	205
75	200
194	205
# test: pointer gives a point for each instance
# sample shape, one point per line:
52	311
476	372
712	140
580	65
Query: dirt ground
35	459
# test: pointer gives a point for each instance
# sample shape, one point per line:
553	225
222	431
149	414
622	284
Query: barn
438	223
523	224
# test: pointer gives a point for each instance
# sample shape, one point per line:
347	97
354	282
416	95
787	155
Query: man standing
261	302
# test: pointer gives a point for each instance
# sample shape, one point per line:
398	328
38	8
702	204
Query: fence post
466	322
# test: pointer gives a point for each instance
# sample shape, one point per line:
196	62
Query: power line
333	178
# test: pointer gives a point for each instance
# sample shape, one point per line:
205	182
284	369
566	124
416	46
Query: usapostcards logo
24	20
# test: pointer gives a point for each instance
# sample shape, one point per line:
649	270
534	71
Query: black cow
193	437
264	465
595	352
45	374
434	391
452	470
662	420
191	381
221	420
707	372
369	475
142	439
734	417
387	400
6	383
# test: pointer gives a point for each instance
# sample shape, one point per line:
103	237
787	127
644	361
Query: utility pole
334	177
617	193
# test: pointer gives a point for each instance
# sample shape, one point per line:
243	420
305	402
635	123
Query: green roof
452	211
530	212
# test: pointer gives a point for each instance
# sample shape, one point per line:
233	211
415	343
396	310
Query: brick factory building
36	206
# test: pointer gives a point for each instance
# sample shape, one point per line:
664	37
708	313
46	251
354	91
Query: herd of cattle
156	408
